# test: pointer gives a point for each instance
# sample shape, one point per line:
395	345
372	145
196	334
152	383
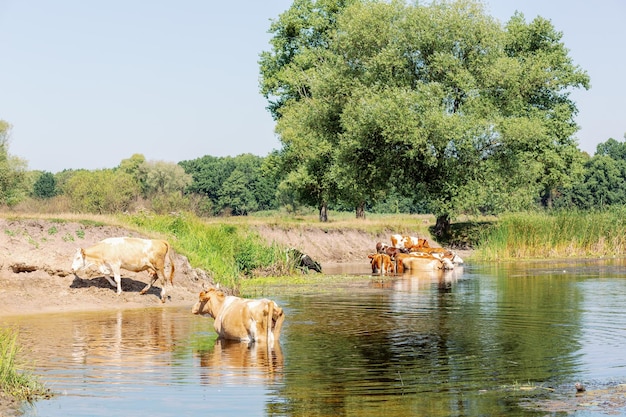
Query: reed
563	234
14	379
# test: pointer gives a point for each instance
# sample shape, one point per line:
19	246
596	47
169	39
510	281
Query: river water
482	340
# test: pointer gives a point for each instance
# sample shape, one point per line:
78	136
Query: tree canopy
438	100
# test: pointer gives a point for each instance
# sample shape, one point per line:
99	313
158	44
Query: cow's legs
118	278
118	281
106	270
277	326
113	284
156	275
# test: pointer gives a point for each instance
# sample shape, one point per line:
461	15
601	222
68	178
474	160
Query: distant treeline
240	185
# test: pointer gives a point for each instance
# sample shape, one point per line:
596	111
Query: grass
14	379
567	234
228	250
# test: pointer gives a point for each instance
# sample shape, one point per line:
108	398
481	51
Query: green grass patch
14	379
229	251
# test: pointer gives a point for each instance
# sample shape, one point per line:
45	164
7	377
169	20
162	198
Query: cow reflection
413	281
231	359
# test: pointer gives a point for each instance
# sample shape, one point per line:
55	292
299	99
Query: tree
45	186
602	181
301	37
239	184
236	195
101	191
436	98
135	166
13	184
164	178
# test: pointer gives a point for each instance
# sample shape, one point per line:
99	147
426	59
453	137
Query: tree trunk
550	198
360	210
323	212
442	227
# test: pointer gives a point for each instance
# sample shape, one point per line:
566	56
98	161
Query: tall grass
557	235
14	380
228	251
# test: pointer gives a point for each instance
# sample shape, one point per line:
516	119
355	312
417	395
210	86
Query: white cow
133	254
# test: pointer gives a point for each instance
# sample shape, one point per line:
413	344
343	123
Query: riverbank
35	275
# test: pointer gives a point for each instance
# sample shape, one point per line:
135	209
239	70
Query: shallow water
483	340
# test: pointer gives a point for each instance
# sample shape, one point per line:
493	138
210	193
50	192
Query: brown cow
381	263
241	319
408	242
133	254
381	247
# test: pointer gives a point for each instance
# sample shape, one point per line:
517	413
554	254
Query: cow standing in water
133	254
241	319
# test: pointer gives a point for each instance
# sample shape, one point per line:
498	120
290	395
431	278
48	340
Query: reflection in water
228	358
438	344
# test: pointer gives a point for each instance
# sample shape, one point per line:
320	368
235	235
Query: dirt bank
35	277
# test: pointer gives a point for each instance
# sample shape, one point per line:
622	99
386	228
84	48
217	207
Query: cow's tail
172	268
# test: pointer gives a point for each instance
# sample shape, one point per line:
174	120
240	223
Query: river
508	339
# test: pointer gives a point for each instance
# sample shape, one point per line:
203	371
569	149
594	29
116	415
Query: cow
417	261
381	263
408	242
302	261
392	252
441	253
381	247
133	254
242	319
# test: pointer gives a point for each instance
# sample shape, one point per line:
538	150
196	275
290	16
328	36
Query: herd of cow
236	318
410	253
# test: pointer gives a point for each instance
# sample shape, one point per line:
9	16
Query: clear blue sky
86	84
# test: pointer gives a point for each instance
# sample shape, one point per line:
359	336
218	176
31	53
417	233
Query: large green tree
302	37
439	100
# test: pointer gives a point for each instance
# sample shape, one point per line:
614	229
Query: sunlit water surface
478	341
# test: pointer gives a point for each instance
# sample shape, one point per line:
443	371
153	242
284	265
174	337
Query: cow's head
381	247
209	302
79	260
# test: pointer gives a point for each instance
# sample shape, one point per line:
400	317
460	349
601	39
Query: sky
86	84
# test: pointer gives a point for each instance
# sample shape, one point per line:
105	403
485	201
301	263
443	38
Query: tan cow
133	254
241	319
381	263
416	261
441	253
